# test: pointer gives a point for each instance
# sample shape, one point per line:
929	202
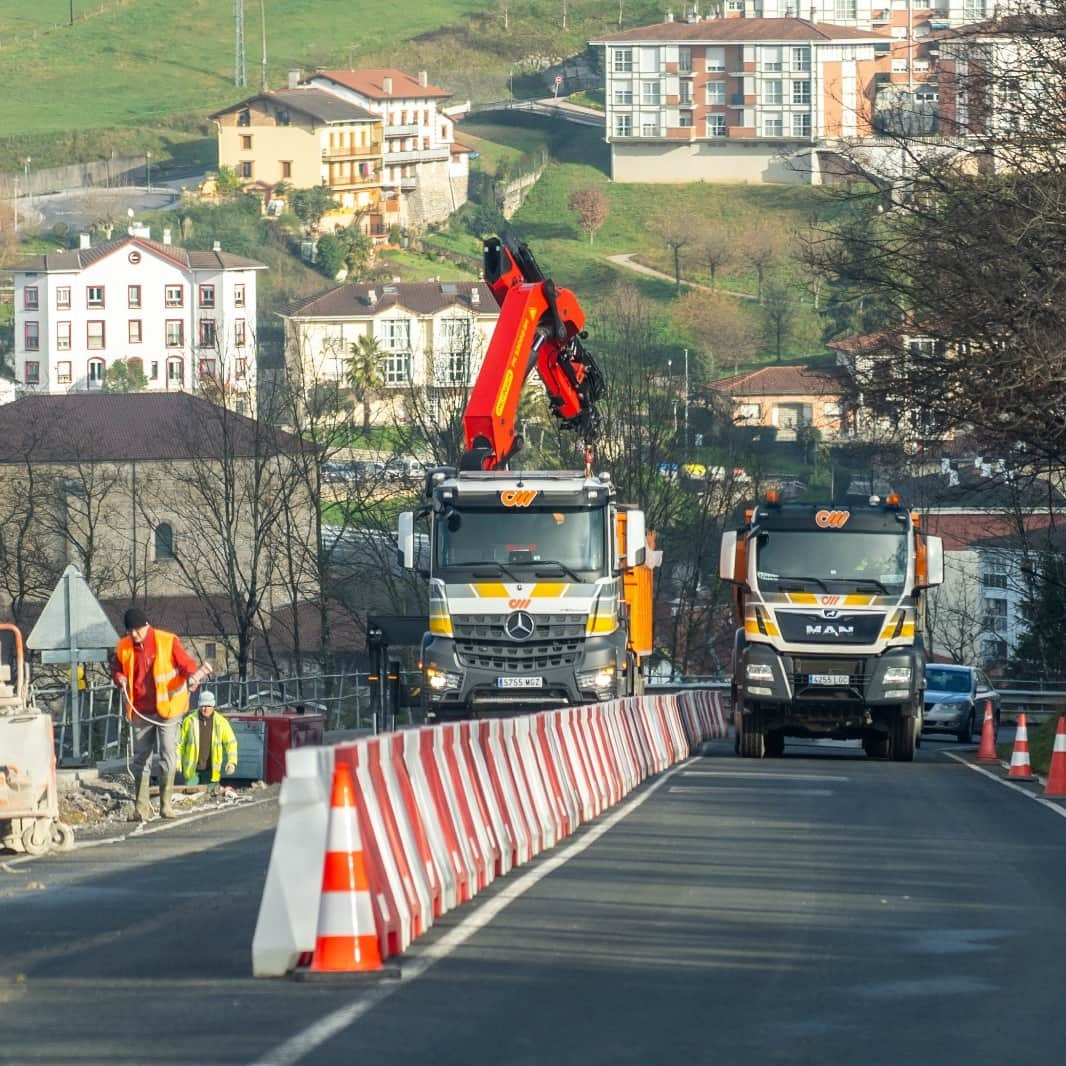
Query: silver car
955	698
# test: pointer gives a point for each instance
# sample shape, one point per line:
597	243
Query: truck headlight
442	680
597	679
759	672
897	675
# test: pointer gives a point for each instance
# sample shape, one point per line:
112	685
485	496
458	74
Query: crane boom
541	325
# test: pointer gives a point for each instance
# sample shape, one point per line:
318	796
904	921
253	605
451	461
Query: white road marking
764	791
421	960
767	776
1050	804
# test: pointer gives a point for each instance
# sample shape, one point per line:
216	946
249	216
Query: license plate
520	682
828	679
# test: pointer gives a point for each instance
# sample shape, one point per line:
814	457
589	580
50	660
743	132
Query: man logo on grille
519	626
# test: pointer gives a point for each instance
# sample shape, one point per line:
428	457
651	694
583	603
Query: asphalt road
820	908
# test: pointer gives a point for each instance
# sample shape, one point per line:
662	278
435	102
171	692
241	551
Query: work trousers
148	730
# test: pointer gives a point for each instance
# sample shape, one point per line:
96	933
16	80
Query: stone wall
121	170
437	196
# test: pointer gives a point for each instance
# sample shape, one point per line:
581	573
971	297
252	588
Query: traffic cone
1056	778
987	751
346	941
1019	757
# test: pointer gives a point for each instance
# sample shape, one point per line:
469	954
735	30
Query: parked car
955	698
405	468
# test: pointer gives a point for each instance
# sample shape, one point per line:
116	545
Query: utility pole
686	403
240	76
263	26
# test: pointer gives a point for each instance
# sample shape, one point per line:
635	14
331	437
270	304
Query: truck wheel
37	836
875	745
752	737
775	745
904	738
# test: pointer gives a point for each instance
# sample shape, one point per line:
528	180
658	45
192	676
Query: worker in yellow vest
207	745
156	675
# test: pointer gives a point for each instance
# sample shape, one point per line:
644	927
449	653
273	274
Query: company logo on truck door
831	519
518	497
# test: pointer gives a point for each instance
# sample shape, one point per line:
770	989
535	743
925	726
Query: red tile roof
371	83
719	31
869	342
783	381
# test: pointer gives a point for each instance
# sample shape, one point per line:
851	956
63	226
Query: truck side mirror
635	538
727	557
405	540
934	561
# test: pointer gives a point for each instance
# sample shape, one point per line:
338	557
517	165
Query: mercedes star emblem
519	626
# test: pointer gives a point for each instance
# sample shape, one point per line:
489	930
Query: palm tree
365	372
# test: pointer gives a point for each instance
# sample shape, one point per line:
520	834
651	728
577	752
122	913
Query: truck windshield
524	541
835	561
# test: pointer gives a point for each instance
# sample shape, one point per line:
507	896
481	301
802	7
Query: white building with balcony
186	318
421	159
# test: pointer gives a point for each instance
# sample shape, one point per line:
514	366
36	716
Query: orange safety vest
171	687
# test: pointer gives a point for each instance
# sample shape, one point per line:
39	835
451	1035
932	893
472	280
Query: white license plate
520	682
829	679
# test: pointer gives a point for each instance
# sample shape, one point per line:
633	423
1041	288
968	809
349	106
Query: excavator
540	582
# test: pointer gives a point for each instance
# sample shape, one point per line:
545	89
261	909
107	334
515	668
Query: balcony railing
353	151
419	155
412	129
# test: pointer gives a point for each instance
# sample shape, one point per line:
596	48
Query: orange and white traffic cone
1019	758
1056	778
346	942
987	751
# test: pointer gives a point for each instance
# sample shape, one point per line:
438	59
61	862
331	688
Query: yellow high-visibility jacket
223	746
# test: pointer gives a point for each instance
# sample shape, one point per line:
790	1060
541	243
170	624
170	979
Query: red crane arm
540	325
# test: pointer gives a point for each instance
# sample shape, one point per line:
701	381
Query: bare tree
723	330
675	231
715	247
779	315
590	205
763	246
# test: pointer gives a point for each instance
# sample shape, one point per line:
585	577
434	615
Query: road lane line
768	775
762	790
329	1025
1050	804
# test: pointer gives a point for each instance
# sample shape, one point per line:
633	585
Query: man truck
829	611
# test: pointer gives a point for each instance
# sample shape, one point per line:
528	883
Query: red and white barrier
444	810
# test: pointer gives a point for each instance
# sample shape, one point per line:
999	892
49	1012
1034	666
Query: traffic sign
72	622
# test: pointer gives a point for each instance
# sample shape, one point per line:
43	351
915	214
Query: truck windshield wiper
869	581
562	566
801	581
496	566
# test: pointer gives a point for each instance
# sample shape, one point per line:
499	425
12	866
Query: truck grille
802	668
557	640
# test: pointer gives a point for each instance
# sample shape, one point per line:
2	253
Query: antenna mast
239	74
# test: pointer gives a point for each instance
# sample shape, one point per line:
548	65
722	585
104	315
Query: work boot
142	812
166	791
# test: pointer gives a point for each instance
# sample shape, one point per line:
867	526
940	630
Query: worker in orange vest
156	675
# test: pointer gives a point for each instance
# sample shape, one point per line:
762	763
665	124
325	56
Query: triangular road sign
72	619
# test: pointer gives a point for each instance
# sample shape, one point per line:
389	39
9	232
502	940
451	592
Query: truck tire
904	738
775	744
875	745
752	737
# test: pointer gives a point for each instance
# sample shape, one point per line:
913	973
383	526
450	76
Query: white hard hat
207	698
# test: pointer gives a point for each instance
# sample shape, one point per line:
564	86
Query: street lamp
148	170
26	173
686	403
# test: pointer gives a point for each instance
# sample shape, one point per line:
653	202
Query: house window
133	296
64	372
63	298
833	409
244	117
94	296
684	60
623	61
801	92
244	169
623	125
715	93
844	9
208	368
207	296
210	650
286	168
452	364
95	373
716	58
174	296
246	142
29	298
164	541
397	368
31	336
772	59
94	336
623	96
684	120
135	365
175	371
238	295
771	92
649	93
33	373
801	57
134	328
649	128
684	94
994	615
175	333
716	125
994	573
240	333
63	336
801	125
773	124
240	369
974	10
153	374
207	333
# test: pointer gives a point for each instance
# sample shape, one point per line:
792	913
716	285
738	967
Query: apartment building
306	137
422	163
186	318
736	99
432	337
